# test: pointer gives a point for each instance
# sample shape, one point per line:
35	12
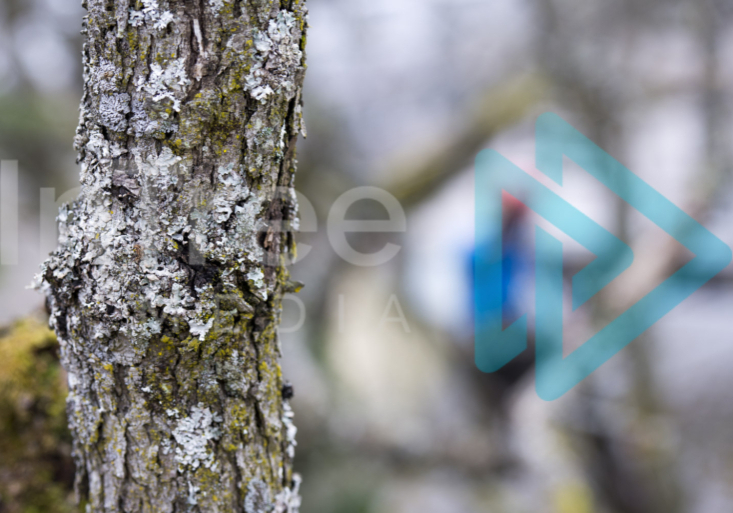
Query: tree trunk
165	292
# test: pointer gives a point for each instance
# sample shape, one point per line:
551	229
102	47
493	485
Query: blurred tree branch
499	108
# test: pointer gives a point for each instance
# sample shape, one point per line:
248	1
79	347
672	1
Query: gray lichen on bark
165	291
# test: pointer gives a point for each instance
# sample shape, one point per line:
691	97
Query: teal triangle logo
496	344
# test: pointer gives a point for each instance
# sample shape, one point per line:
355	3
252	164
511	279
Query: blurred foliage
36	469
573	498
37	131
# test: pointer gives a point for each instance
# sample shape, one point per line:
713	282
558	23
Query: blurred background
393	416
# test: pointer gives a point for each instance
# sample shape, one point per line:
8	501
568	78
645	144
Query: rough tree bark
165	292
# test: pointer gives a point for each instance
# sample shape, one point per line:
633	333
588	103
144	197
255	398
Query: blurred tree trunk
165	292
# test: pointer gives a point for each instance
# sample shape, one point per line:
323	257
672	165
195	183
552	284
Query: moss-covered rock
36	468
